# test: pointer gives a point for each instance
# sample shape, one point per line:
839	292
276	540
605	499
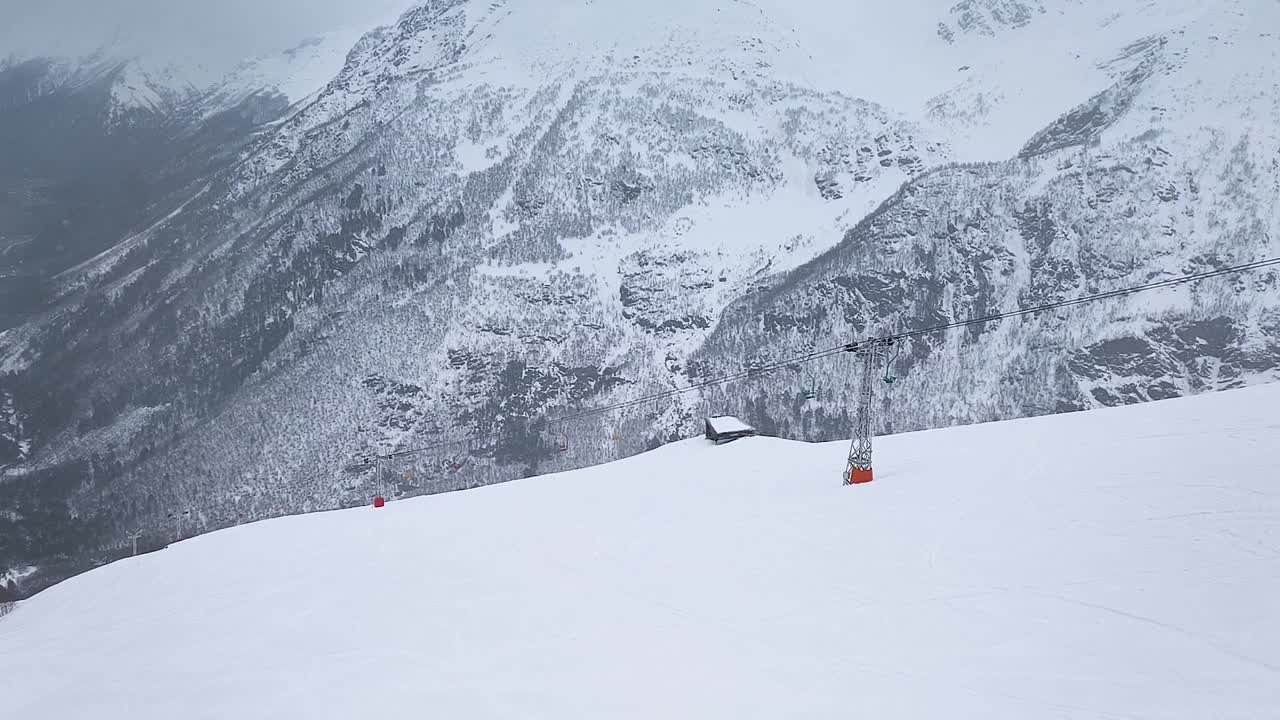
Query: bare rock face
987	17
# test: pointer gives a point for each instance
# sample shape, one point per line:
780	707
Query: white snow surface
1121	563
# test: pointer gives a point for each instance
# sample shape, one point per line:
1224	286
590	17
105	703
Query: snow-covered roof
727	424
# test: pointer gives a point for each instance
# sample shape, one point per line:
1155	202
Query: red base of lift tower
860	476
379	502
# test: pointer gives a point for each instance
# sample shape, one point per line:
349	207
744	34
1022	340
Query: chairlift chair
891	359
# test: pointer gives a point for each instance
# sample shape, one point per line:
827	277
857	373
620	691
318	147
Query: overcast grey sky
219	32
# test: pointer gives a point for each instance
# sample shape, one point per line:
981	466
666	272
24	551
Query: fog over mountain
213	35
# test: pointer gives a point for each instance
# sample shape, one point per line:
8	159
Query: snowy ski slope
1122	563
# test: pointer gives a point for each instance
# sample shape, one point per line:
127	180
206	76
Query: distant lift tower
858	470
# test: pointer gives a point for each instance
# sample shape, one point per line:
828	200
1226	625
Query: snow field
1116	563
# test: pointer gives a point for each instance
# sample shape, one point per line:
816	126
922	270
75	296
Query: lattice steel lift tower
858	470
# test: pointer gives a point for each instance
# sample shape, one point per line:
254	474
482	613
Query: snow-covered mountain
101	146
986	574
1147	180
495	212
297	73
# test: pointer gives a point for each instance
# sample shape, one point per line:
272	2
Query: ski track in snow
1091	564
